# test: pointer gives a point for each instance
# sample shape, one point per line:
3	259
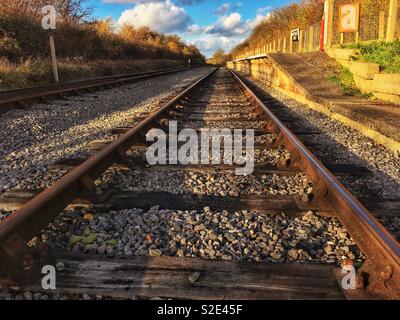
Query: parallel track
22	97
379	276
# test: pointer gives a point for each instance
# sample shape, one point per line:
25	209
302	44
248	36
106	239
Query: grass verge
35	72
386	54
344	78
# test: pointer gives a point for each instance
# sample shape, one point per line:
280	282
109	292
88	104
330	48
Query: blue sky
209	24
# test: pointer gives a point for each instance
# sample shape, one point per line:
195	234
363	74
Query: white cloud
194	29
128	1
228	25
178	2
188	2
264	10
226	33
223	9
167	16
210	43
159	16
232	21
227	7
258	19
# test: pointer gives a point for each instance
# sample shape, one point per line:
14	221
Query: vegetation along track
21	97
200	231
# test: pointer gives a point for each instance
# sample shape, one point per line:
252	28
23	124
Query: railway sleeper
171	277
379	276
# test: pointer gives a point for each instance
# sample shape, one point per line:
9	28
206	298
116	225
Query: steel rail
380	247
382	265
13	92
22	225
10	98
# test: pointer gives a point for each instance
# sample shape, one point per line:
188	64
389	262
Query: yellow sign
349	17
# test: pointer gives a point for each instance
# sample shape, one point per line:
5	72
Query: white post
54	59
391	26
382	25
328	20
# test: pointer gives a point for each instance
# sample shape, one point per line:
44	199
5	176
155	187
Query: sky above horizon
208	24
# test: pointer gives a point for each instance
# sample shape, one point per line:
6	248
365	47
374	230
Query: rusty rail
24	224
10	98
381	271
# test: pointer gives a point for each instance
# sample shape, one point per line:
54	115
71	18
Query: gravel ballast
206	234
241	235
340	144
209	234
35	137
203	183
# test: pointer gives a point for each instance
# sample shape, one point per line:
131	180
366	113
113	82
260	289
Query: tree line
280	22
78	36
219	57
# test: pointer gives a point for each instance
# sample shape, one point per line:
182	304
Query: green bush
386	54
344	78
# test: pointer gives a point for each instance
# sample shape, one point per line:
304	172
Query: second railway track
200	231
25	96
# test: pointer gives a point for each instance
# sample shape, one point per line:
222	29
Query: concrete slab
373	118
387	83
306	75
364	70
382	118
343	54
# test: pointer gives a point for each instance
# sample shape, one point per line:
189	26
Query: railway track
25	96
200	231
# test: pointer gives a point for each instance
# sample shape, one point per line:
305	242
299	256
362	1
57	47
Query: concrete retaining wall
367	76
269	74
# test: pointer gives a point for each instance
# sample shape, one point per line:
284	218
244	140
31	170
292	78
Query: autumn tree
104	27
22	35
219	57
281	21
68	10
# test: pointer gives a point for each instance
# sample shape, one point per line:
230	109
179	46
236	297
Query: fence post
329	7
357	36
54	59
382	25
291	44
391	26
284	45
279	44
301	41
310	39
